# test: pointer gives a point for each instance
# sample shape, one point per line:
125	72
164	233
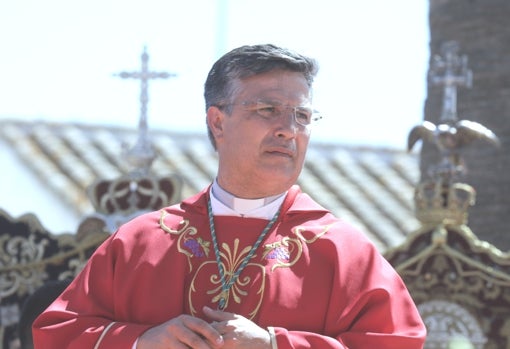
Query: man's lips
281	151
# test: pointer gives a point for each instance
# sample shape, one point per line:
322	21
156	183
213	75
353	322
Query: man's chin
282	178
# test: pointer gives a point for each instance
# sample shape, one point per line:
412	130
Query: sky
59	59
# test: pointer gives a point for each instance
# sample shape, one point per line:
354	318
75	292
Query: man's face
261	146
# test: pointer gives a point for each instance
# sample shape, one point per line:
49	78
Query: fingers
238	331
181	332
220	327
204	331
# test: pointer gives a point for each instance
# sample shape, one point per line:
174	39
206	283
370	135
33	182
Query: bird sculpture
451	138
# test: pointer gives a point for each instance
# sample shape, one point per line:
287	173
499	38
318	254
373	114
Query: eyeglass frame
259	105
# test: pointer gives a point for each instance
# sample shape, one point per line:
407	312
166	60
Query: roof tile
371	187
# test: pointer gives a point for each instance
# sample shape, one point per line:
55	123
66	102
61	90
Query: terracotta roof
371	187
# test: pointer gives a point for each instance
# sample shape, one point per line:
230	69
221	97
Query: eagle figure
451	138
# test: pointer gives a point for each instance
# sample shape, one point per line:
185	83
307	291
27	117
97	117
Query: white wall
31	196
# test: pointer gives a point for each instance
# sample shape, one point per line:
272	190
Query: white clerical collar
224	203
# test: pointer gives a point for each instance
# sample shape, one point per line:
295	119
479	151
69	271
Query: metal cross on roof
144	75
142	154
450	70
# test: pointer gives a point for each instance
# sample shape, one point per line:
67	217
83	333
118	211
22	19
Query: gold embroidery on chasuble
204	272
250	283
187	243
287	251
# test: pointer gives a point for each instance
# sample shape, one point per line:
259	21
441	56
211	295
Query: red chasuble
316	280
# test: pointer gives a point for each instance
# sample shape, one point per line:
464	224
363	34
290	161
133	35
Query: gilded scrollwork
456	269
19	254
29	257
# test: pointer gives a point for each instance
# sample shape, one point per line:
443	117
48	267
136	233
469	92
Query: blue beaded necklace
225	286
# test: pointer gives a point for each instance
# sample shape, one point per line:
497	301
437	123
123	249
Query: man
250	262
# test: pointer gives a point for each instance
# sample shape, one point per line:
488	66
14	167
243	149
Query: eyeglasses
273	110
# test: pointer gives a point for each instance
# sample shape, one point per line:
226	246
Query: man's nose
287	125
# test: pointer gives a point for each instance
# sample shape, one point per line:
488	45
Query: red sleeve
85	319
369	307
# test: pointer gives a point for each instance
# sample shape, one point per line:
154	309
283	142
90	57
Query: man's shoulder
303	202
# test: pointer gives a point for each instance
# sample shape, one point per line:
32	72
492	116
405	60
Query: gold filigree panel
450	272
31	256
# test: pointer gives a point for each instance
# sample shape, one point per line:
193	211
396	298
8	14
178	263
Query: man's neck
242	206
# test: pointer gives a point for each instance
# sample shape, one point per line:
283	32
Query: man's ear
215	119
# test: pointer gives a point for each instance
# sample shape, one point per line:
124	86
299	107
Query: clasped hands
224	330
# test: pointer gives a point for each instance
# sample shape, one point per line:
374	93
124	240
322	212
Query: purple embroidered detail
195	247
279	253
